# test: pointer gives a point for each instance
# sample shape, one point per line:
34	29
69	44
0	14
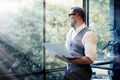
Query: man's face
72	18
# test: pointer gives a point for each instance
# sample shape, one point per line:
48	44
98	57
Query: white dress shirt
89	41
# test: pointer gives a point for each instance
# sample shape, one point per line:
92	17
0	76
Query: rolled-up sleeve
89	41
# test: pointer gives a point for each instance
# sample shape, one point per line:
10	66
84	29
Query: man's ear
79	17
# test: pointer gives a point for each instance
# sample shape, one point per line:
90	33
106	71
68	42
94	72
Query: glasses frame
71	14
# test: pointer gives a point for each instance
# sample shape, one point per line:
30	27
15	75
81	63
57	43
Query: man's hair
79	11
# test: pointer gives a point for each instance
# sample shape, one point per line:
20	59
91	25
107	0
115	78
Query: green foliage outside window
99	17
24	41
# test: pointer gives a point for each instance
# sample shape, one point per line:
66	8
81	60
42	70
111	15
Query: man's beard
73	24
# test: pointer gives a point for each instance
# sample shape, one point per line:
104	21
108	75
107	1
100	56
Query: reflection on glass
20	36
57	25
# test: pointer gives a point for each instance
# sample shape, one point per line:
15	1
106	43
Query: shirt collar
80	28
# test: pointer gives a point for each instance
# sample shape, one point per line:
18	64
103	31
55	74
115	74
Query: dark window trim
86	8
26	74
44	39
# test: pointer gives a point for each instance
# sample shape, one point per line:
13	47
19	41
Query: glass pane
55	76
99	19
100	23
20	36
57	25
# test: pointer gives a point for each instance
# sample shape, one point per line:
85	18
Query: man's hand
63	58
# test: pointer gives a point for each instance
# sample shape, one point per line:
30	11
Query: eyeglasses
71	14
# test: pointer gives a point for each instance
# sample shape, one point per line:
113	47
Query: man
81	43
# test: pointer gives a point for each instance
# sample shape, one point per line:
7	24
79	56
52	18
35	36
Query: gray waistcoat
76	49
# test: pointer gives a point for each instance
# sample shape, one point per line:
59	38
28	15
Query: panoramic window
21	34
